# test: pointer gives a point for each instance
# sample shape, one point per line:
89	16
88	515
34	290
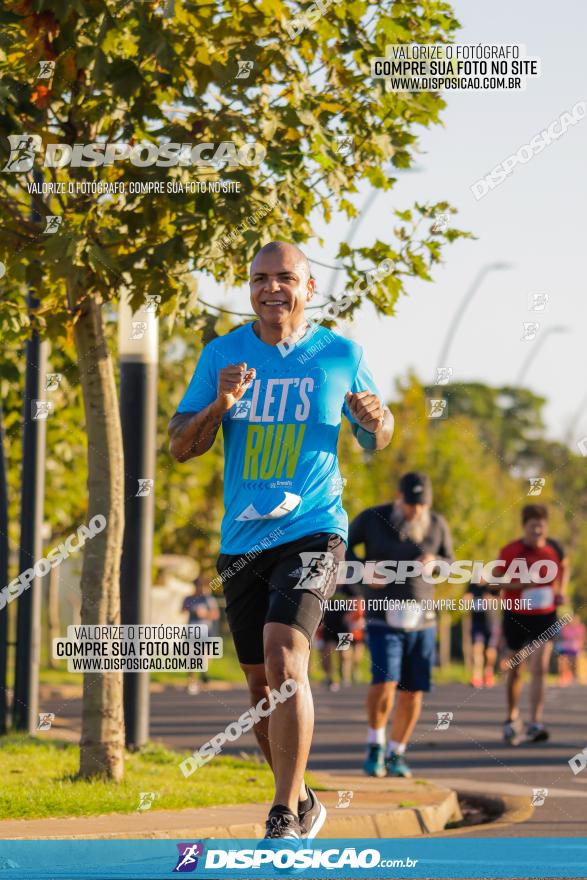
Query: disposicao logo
187	860
25	147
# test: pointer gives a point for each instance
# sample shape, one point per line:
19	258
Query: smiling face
280	286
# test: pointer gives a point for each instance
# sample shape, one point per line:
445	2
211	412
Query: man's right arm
192	434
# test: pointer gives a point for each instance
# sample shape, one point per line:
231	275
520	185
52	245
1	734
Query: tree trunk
102	739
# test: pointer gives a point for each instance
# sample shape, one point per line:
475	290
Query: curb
398	822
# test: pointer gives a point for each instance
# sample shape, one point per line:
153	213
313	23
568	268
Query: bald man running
278	386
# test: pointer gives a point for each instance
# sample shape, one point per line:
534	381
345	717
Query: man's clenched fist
233	381
366	409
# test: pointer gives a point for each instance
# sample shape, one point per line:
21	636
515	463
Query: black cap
416	488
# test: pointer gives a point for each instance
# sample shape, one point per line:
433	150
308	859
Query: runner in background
202	608
569	646
347	622
485	634
279	387
534	611
401	642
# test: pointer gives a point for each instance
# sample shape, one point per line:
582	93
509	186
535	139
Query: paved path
470	754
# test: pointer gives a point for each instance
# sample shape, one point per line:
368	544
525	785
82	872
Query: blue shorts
404	656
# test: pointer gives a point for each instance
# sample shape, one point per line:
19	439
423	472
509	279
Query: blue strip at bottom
417	859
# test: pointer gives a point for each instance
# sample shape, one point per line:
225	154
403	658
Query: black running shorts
279	586
520	630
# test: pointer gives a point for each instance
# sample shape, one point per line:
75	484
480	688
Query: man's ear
310	289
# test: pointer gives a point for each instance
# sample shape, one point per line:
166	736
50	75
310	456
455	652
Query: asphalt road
469	755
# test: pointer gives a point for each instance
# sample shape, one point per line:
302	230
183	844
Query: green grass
38	781
454	673
227	669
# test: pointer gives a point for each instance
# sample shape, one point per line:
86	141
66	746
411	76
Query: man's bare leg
538	663
490	660
346	665
407	712
259	690
478	660
380	699
514	690
291	723
327	660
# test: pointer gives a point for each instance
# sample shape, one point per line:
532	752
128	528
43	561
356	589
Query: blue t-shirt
280	438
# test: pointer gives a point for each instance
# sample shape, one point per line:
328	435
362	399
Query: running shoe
489	679
536	733
312	819
477	682
282	824
397	766
512	732
374	762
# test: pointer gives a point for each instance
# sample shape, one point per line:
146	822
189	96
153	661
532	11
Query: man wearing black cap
401	637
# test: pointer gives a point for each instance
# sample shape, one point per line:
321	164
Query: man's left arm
372	421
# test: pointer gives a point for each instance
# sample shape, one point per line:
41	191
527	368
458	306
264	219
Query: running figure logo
242	408
146	799
152	302
539	795
345	144
344	641
22	151
139	328
244	69
537	302
443	375
41	409
188	856
437	408
536	485
344	800
52	223
444	719
46	69
440	223
145	486
52	381
45	721
318	572
530	330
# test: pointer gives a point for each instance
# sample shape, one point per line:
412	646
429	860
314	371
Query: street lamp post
28	615
4	553
533	353
478	280
138	352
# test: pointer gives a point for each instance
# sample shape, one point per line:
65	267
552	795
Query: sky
534	221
